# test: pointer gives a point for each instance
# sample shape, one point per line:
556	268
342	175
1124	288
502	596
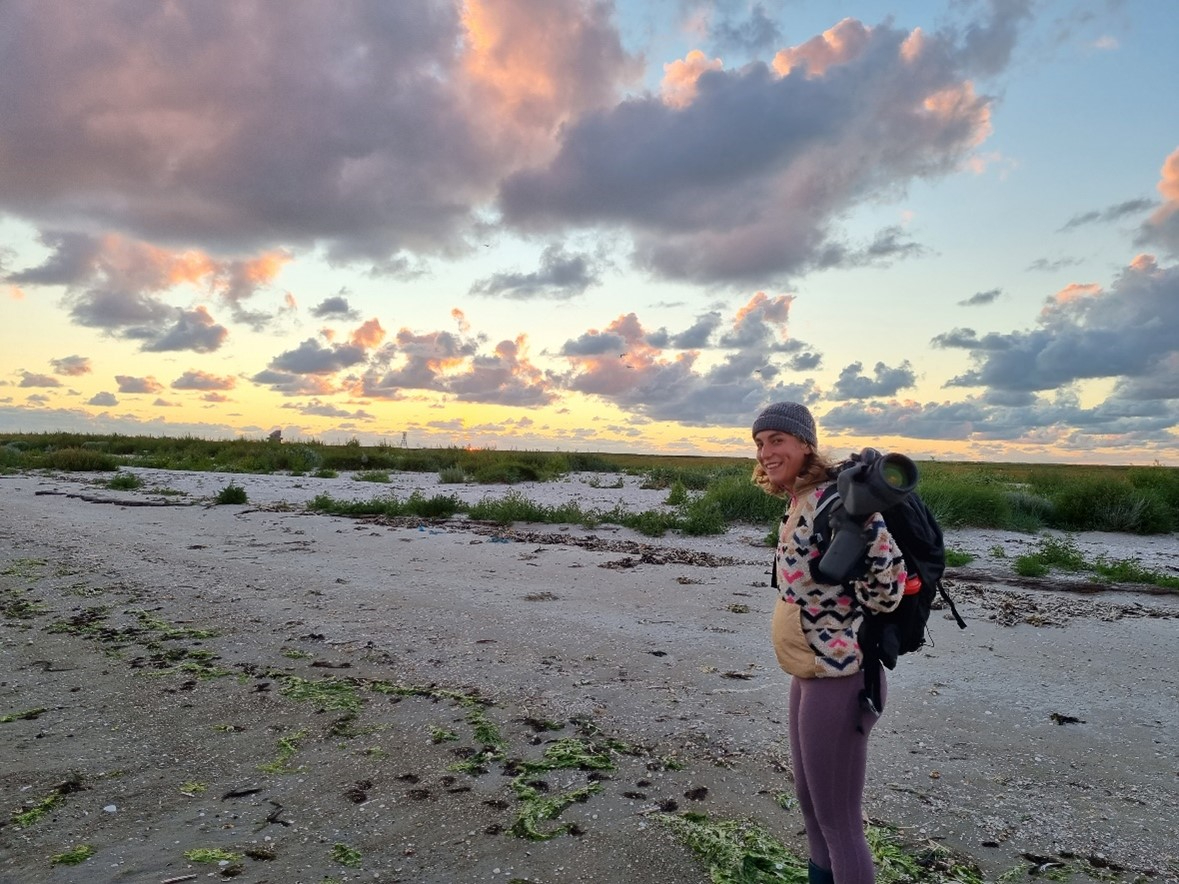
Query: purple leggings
830	760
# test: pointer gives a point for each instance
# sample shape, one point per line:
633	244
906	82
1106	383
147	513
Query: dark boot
816	875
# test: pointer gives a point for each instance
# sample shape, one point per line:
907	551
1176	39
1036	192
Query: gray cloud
201	380
162	120
104	399
129	384
888	245
1022	420
71	365
746	182
561	276
980	298
135	314
310	357
1128	331
987	44
30	379
1054	264
326	409
751	33
1161	231
968	339
72	259
292	384
335	307
886	381
503	378
628	366
193	330
697	336
1109	214
114	285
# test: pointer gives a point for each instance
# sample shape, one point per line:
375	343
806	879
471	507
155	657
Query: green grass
440	506
326	694
1062	554
956	558
1016	497
125	482
744	852
346	856
231	494
38	809
287	748
76	855
379	476
79	460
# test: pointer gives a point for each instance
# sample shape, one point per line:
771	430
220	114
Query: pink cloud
202	380
835	46
679	77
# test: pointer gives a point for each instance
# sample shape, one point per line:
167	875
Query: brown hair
816	470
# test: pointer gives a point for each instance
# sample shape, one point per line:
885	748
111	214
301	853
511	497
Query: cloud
1108	215
1126	331
201	380
504	378
853	384
104	399
678	88
1053	265
633	368
72	258
752	34
561	276
311	357
335	307
293	384
71	366
29	379
118	285
129	384
980	298
368	335
395	120
968	339
319	408
1035	422
1162	228
748	181
193	330
442	362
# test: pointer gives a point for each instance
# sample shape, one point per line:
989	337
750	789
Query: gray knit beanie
789	417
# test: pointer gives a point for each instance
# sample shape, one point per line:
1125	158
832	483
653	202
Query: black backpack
884	637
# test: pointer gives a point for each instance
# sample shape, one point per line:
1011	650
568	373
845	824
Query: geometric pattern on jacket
831	612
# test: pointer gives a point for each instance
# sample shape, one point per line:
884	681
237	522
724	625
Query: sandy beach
313	694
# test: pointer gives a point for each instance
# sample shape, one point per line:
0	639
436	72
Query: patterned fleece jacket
829	614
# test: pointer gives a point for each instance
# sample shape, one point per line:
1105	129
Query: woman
814	633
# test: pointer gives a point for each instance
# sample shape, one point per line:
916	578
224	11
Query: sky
950	228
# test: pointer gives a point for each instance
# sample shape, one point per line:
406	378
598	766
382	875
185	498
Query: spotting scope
871	484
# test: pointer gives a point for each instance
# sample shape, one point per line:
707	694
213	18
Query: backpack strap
949	601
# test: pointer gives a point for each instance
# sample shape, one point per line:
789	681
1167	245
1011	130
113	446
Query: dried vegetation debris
1050	606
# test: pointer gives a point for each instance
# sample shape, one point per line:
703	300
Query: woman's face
781	455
